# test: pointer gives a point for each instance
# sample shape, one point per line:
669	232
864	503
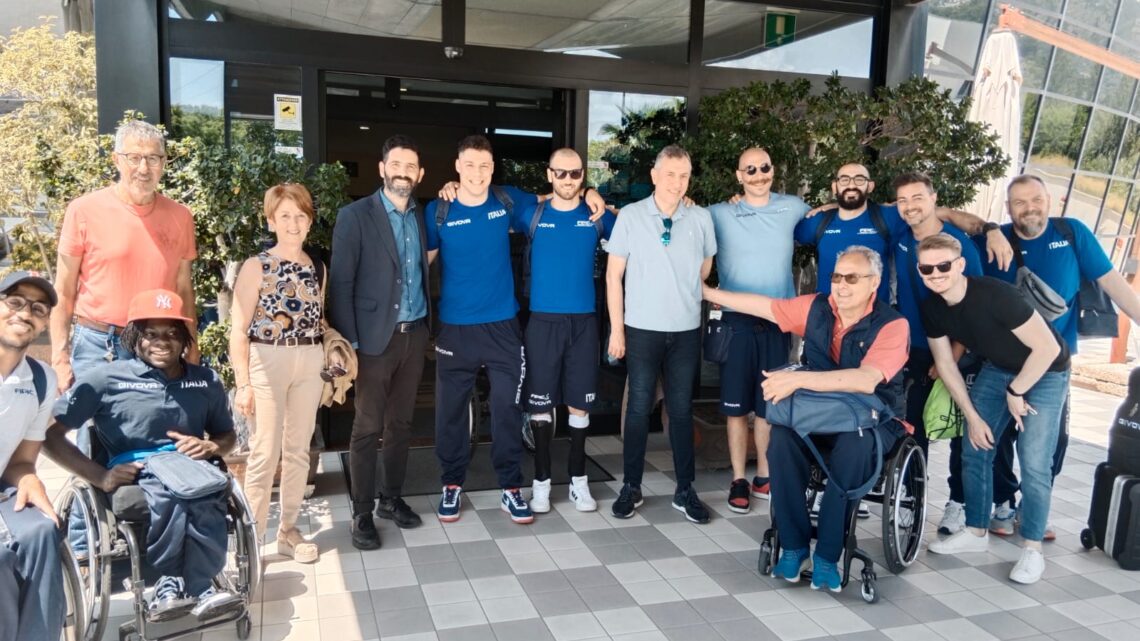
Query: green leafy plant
214	343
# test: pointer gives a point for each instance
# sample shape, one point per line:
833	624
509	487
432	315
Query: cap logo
162	301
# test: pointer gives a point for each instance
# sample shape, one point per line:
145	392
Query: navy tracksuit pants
32	605
187	538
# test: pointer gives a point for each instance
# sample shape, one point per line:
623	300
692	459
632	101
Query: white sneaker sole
517	519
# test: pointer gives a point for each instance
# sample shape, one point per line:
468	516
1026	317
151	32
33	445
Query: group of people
902	294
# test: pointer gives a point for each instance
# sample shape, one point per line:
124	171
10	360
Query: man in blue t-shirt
754	255
562	331
479	328
1046	250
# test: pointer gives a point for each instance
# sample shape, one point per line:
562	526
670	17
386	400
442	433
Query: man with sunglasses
754	255
664	250
1025	377
562	331
31	581
1063	253
115	243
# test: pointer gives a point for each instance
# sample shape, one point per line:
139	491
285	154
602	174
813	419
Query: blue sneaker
792	563
825	575
449	503
515	505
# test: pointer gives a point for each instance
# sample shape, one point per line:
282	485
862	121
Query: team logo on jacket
498	213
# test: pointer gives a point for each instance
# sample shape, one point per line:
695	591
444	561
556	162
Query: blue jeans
31	581
676	357
90	347
1035	447
1005	480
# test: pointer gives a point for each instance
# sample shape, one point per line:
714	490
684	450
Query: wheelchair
901	491
116	544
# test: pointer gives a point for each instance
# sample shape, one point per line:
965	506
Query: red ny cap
156	303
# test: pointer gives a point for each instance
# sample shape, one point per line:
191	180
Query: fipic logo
162	301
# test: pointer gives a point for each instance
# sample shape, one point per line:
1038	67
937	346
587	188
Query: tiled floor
573	576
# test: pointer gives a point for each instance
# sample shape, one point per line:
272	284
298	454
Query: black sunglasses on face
561	174
668	234
752	169
942	267
850	278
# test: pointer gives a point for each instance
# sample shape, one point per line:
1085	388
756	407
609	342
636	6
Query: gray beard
403	190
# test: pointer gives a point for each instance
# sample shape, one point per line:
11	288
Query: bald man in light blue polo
664	250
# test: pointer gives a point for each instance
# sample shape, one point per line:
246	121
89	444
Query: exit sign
779	29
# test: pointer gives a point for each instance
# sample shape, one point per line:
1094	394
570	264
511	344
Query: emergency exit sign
779	29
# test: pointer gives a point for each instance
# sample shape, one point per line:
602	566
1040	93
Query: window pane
750	36
1073	76
626	132
1116	90
249	103
1086	200
651	30
1130	153
1058	136
1097	14
1034	60
196	94
411	19
1103	140
1029	106
1114	206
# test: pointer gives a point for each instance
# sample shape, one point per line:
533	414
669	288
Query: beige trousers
287	388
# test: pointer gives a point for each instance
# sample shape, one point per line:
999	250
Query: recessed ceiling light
365	127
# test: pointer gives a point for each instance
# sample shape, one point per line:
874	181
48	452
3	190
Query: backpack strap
600	227
826	217
1015	245
504	198
39	378
441	207
535	218
879	223
1066	231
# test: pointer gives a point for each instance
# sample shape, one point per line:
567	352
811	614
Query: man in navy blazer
379	301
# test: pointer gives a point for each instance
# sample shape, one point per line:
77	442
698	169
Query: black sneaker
364	534
627	501
686	500
397	511
170	601
738	499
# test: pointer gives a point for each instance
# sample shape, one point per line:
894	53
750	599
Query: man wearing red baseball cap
156	402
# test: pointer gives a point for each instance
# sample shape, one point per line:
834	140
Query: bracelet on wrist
1009	390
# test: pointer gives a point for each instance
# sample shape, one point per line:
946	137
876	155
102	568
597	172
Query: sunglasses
561	174
752	169
851	279
668	233
942	267
329	373
17	303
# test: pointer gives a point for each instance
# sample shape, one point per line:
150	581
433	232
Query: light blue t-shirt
474	244
910	282
1061	267
662	283
755	244
841	234
562	258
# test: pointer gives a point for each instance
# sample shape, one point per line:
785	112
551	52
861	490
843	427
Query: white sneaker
953	518
1029	567
813	512
863	511
580	494
963	541
540	497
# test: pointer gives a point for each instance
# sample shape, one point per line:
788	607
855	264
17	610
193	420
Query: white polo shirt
22	417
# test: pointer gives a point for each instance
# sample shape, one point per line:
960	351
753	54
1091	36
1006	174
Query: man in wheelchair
157	421
852	343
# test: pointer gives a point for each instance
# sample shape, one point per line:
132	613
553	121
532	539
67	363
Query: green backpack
941	415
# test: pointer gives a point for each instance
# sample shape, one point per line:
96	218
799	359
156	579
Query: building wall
27	13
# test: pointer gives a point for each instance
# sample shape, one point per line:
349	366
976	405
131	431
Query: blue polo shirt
1061	266
133	405
474	246
842	234
406	232
910	282
562	258
755	244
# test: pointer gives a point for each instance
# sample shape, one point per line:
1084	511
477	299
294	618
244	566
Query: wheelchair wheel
242	573
904	506
244	626
869	588
92	569
74	621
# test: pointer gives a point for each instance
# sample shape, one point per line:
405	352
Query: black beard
859	200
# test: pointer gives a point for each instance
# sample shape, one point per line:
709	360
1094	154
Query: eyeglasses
17	303
667	235
942	267
152	160
329	373
561	174
858	181
851	279
752	169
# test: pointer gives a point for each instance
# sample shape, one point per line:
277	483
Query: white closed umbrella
997	102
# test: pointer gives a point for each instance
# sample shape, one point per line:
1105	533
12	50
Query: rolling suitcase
1114	516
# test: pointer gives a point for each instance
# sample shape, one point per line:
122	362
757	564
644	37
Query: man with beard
379	301
1063	258
31	582
754	255
562	332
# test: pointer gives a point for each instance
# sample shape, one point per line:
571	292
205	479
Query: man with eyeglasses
664	250
1025	377
115	243
562	331
853	342
754	238
31	581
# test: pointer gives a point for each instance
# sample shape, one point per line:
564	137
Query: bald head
754	172
566	174
564	153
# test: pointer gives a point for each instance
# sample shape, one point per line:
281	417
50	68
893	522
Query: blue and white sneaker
449	503
825	575
792	563
515	505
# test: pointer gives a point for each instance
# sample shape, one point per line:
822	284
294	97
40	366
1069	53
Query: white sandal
294	545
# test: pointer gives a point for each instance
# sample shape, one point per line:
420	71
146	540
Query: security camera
453	53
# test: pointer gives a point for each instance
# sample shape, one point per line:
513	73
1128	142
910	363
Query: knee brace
579	422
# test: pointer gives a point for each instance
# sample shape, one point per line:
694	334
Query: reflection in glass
1130	151
408	19
1073	76
196	97
1116	90
1114	205
1030	103
1097	14
249	103
1058	136
1103	140
625	133
1086	200
1034	60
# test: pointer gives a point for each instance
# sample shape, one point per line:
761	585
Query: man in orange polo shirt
115	243
852	343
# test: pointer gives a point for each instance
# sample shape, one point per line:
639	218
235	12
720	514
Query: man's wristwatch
1009	390
989	226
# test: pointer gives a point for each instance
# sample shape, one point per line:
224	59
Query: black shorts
756	345
561	361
